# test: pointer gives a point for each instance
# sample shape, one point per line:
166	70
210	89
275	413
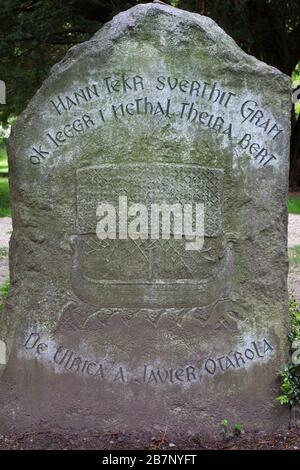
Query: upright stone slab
160	106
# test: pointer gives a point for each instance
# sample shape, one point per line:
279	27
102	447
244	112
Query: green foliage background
290	374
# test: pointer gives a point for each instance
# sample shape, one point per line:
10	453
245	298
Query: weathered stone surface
160	105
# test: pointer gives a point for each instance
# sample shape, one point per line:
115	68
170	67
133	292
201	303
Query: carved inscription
200	102
70	361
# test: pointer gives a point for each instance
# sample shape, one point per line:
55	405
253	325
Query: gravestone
142	332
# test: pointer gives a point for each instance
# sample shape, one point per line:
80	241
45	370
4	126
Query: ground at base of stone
44	440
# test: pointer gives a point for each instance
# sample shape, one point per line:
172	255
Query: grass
3	252
294	204
3	159
3	292
294	256
4	190
4	197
